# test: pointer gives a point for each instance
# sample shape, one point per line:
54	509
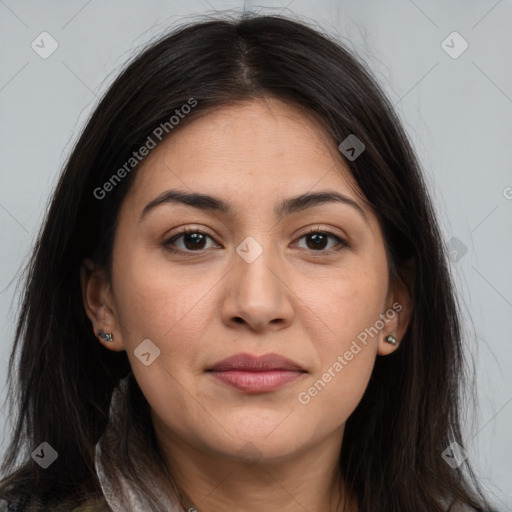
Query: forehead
254	147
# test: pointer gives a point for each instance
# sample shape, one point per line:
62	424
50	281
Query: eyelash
342	244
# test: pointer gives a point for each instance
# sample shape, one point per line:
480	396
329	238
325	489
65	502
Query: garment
131	499
93	505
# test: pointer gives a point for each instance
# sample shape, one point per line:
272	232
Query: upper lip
253	363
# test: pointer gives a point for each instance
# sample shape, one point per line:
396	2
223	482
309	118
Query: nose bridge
257	292
257	265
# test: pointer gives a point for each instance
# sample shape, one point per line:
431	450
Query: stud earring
391	339
107	336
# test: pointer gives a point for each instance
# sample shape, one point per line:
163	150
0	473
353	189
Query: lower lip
256	382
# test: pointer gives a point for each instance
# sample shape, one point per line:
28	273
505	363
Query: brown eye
319	240
192	240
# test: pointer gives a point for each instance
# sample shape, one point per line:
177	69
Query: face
258	273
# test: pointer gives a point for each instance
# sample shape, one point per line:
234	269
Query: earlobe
387	345
398	314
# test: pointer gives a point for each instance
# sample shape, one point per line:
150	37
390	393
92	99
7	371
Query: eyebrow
289	206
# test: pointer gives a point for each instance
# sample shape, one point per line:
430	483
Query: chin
260	440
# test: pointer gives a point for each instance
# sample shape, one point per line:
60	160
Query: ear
398	310
99	304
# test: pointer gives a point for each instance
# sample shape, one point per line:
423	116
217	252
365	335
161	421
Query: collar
130	499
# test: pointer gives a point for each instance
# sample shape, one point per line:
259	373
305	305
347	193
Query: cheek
350	308
334	394
347	355
156	302
349	305
170	309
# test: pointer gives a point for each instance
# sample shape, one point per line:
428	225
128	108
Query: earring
107	336
391	339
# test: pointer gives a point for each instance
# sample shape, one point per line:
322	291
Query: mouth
256	374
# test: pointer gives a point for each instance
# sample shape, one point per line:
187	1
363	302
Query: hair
61	379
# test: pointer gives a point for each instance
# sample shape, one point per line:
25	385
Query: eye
193	240
317	240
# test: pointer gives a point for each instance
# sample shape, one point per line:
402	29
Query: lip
256	374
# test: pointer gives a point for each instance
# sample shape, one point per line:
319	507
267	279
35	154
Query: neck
310	480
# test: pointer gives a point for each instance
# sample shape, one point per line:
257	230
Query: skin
305	303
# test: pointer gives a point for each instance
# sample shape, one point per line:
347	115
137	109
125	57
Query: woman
239	299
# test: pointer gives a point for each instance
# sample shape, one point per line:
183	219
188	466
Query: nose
257	294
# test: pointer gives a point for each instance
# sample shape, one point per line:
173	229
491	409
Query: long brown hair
61	379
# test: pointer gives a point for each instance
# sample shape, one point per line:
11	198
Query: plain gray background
457	110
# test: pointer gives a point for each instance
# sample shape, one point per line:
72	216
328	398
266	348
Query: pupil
318	240
196	239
